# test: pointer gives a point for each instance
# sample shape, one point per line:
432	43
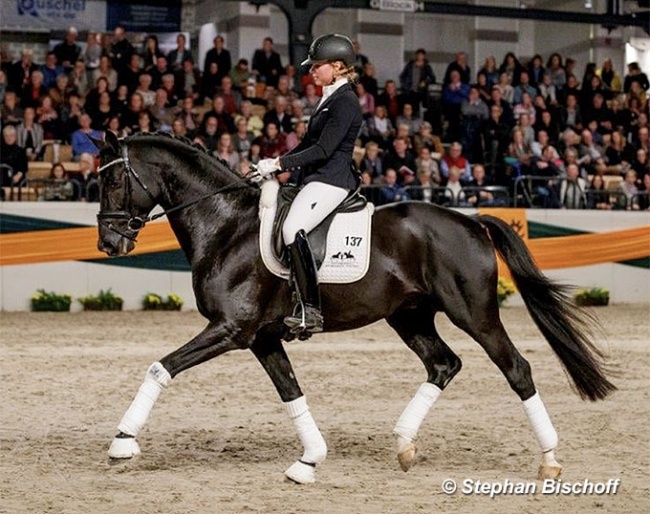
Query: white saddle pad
347	255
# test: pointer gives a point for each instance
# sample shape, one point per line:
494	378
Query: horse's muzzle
115	246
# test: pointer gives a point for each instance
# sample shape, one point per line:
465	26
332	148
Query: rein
137	223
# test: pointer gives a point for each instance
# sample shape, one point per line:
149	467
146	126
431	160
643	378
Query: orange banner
77	244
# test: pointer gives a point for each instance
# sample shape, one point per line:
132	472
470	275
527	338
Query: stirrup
305	318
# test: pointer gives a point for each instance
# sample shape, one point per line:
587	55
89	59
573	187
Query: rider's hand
267	167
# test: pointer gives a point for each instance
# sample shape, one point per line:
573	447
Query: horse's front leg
269	351
213	341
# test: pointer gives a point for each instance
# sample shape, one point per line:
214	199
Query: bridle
136	223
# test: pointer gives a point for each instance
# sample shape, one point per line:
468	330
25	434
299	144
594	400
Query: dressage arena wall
27	228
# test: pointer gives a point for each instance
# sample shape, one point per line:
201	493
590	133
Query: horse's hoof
549	472
124	448
406	456
301	473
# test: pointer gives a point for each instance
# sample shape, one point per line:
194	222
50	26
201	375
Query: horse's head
125	199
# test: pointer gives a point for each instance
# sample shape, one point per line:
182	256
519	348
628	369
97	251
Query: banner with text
145	15
52	14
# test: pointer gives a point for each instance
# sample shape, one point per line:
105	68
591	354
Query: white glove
267	167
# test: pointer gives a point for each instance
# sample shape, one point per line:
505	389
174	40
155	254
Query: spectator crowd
569	140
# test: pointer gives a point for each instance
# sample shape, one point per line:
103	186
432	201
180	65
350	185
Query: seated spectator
598	197
208	133
231	97
180	54
391	191
455	159
240	74
573	189
490	71
59	188
483	87
592	155
14	158
366	101
210	82
85	181
610	79
426	137
51	70
129	117
294	138
641	164
372	162
454	189
505	86
226	151
226	122
158	71
526	126
113	125
11	113
618	154
48	118
480	197
555	67
310	99
255	123
407	118
369	80
519	156
180	130
106	70
570	115
101	113
525	107
546	122
536	71
379	127
151	53
426	163
242	138
145	124
298	113
634	74
189	114
424	187
130	75
145	91
92	98
524	86
169	87
61	91
601	114
272	142
30	135
284	89
391	100
162	112
512	69
496	137
459	65
278	115
81	142
628	199
400	158
34	91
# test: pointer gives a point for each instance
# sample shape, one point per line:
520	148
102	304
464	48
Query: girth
318	237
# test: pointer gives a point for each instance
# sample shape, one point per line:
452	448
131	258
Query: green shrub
505	288
104	301
155	302
44	301
592	297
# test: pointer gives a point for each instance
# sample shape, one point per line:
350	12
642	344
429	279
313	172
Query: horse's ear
110	139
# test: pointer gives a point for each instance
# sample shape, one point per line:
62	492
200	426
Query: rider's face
323	73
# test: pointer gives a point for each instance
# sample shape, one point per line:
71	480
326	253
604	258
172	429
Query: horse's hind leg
269	351
477	314
212	341
416	327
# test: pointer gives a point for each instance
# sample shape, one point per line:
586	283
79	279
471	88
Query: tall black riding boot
306	315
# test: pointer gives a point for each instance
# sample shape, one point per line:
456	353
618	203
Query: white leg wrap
310	437
136	416
541	423
409	422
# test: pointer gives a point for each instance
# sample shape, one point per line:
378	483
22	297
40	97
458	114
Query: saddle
318	236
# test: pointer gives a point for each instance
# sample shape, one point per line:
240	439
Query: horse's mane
187	144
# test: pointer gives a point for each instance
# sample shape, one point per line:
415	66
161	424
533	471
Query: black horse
424	260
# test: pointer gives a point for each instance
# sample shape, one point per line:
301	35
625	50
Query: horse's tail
564	325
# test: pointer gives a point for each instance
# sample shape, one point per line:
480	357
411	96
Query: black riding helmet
331	47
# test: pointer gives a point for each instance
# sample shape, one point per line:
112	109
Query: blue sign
144	15
52	14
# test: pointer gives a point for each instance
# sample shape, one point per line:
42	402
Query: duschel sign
397	5
52	14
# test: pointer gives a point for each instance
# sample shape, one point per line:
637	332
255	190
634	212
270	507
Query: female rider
324	160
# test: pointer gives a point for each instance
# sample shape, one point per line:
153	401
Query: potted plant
596	296
44	301
104	301
155	302
505	288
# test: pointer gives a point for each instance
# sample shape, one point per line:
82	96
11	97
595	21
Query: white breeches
313	204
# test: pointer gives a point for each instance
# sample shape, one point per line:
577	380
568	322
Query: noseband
137	223
134	223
